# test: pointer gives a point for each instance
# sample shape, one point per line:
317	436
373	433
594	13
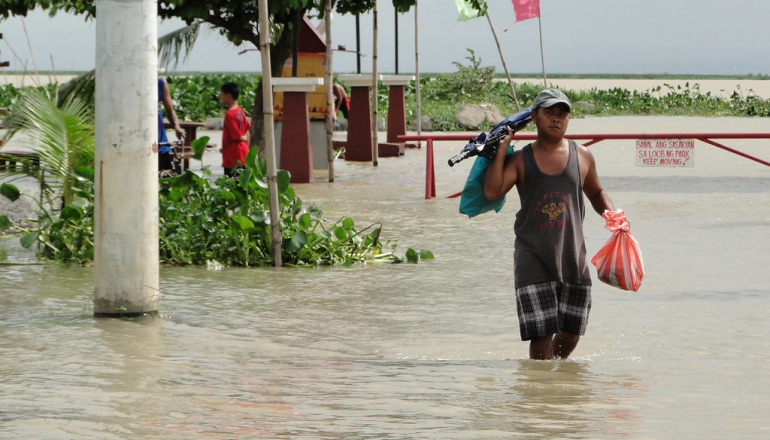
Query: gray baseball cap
550	97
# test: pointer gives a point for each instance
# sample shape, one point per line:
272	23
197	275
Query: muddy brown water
429	350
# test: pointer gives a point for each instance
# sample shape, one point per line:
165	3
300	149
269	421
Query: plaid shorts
548	308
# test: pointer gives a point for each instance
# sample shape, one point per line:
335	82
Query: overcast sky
588	36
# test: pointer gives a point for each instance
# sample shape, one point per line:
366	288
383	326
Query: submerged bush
227	222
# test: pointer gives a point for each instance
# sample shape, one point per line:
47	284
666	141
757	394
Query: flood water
430	350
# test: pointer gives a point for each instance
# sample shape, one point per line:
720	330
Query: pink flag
526	9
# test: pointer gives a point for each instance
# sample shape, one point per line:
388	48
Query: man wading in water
553	283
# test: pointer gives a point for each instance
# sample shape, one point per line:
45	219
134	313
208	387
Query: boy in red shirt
235	134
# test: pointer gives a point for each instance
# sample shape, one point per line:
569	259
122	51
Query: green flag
466	10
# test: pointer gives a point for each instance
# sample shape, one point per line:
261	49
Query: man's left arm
593	188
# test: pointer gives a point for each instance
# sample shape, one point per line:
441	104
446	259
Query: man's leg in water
541	348
563	344
559	346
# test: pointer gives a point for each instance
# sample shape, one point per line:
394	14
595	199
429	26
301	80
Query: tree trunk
279	53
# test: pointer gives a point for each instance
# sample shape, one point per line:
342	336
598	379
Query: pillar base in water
124	315
122	309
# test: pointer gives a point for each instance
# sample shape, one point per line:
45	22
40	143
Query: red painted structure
430	176
296	151
296	155
359	143
393	147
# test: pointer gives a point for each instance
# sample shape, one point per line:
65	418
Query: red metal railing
430	174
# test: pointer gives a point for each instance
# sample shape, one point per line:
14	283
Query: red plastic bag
619	262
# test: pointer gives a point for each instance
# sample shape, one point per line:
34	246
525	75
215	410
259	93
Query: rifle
486	145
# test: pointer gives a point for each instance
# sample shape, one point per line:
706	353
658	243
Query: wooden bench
190	134
10	160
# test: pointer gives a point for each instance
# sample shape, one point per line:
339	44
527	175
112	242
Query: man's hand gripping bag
619	262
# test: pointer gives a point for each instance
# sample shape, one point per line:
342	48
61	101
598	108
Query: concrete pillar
396	115
359	143
126	279
296	150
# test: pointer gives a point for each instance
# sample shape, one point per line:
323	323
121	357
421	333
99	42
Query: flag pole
505	67
542	56
417	72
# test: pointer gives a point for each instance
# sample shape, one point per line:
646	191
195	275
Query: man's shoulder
235	113
515	158
583	150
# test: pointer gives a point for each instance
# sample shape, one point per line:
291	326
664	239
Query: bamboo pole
417	71
542	56
375	143
329	90
505	67
52	74
267	110
31	55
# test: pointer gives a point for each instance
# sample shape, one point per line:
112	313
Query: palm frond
178	44
82	86
62	137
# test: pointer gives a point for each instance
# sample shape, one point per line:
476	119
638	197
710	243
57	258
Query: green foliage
10	94
66	236
687	100
199	147
5	223
236	20
63	137
196	97
10	192
471	81
229	222
667	100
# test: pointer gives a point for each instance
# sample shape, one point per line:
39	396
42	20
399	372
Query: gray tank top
549	226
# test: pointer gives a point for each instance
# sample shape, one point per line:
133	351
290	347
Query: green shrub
227	221
196	97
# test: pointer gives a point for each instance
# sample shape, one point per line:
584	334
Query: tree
237	20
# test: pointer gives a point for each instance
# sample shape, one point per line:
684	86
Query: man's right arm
501	174
337	99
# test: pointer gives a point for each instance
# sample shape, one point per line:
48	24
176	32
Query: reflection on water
409	351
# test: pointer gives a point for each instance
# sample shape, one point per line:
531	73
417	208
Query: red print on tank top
552	210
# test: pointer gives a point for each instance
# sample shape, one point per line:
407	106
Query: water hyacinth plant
227	222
